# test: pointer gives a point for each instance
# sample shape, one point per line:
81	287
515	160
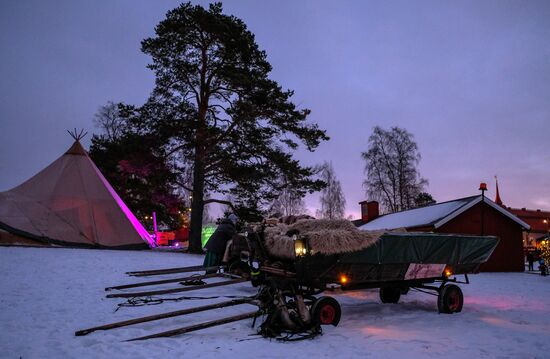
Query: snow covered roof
434	215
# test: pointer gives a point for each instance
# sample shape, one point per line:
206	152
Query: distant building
538	220
461	216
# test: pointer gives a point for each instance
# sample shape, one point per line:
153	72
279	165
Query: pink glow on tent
133	220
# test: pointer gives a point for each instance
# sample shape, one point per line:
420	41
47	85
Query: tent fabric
70	202
432	248
12	239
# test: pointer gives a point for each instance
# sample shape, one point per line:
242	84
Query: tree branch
184	186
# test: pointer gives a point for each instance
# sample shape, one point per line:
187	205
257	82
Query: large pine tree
233	125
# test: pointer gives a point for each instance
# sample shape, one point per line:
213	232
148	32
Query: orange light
448	273
343	279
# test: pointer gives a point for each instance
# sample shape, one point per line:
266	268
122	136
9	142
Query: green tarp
433	248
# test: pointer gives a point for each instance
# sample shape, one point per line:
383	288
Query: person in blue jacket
215	247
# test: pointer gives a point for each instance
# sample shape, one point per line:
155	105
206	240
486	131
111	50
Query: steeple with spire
497	198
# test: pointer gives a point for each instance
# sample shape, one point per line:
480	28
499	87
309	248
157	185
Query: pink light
511	325
388	332
133	220
504	302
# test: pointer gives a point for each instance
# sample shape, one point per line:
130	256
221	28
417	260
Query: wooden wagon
290	288
396	263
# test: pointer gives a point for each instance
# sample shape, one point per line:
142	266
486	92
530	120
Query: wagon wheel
390	294
450	299
325	311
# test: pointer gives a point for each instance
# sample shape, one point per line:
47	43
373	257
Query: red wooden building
470	215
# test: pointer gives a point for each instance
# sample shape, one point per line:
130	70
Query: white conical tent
71	203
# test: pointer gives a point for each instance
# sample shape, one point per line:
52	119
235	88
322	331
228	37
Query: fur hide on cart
325	236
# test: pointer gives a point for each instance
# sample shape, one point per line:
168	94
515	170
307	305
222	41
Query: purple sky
470	80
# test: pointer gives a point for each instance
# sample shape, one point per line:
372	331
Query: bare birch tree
333	202
289	203
391	166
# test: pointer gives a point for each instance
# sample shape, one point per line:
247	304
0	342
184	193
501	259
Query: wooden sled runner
176	313
176	290
146	273
192	328
164	281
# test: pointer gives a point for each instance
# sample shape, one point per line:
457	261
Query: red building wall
508	256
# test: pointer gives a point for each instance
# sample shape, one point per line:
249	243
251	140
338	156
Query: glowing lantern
448	271
343	279
299	247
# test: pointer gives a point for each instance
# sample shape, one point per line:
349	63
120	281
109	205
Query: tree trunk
197	204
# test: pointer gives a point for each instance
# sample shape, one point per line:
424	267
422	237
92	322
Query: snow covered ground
48	294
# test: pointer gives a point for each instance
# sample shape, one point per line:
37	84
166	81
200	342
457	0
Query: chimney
369	210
